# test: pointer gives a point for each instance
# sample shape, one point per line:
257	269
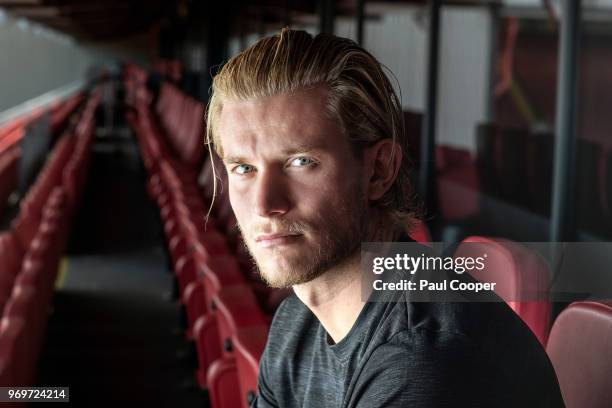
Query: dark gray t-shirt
407	354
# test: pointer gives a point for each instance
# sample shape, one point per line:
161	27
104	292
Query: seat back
9	164
579	348
521	276
235	307
249	345
420	232
12	353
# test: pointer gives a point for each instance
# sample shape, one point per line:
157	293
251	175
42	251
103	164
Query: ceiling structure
97	20
101	20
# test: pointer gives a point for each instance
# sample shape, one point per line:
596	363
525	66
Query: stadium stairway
114	334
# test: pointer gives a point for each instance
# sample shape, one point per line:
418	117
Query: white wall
464	74
35	60
399	41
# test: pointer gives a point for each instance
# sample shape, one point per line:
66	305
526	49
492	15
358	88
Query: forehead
278	123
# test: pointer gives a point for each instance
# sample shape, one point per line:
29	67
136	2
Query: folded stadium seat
24	304
56	218
60	114
49	178
25	227
206	338
219	274
9	164
223	382
200	280
249	345
234	307
41	262
6	286
579	348
26	224
13	337
190	238
74	175
207	276
522	278
180	214
11	256
37	274
174	199
71	182
154	145
177	174
420	233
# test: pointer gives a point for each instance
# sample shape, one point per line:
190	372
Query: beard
326	240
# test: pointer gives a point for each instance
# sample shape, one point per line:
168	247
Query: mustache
275	227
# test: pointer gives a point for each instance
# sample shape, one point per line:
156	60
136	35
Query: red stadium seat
11	256
235	307
222	383
24	304
519	274
232	308
9	161
12	352
206	337
579	348
249	345
420	232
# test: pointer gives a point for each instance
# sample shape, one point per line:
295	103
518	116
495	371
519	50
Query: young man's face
295	185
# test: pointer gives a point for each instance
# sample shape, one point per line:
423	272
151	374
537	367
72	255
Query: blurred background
104	178
493	101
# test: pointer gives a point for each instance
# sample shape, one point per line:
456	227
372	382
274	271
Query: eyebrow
304	149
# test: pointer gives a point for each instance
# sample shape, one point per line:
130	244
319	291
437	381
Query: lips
270	240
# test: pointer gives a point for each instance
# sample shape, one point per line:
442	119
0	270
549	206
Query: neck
335	297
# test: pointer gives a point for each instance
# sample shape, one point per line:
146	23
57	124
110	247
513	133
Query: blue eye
243	169
301	161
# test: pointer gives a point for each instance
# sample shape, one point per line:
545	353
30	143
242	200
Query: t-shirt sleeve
438	371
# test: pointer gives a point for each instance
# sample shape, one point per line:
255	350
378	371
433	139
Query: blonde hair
360	95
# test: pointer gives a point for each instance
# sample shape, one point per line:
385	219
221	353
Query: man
310	132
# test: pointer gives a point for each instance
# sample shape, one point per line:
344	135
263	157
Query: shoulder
480	354
430	368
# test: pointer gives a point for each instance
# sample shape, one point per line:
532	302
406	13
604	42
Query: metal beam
493	59
327	14
360	17
427	173
563	200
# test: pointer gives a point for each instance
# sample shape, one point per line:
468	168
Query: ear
384	159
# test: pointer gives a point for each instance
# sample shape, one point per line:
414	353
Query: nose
271	199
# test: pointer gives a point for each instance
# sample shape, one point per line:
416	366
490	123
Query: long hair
360	96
